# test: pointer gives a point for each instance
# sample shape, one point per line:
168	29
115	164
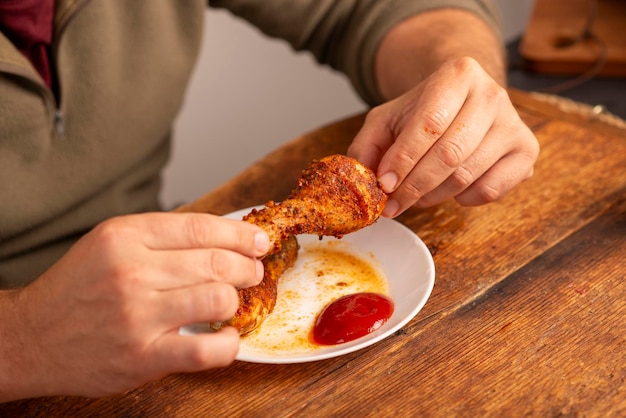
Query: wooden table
527	317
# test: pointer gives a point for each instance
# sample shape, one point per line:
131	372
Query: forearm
415	48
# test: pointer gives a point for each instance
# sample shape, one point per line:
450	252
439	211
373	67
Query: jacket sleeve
344	33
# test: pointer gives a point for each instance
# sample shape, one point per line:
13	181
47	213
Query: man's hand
449	129
456	134
106	317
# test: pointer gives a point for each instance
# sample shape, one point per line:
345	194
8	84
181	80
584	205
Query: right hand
106	317
456	134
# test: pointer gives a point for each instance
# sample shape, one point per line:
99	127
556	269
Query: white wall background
250	94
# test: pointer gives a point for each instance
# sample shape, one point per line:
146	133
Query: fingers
177	250
174	269
500	179
396	135
487	175
434	139
192	353
174	231
374	138
209	302
446	155
469	171
455	134
187	353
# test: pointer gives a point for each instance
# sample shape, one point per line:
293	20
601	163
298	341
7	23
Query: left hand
456	134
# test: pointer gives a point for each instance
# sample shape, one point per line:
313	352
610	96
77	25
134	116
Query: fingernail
262	242
259	270
391	208
388	181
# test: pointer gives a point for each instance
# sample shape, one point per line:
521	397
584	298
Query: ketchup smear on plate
350	317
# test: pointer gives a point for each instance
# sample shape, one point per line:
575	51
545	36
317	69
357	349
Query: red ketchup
350	317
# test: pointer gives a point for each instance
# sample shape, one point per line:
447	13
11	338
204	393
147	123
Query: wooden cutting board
554	43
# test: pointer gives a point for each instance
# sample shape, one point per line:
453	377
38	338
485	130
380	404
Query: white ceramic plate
398	255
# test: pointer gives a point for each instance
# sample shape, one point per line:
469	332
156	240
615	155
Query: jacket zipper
53	104
59	124
59	27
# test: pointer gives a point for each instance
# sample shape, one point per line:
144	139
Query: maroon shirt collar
28	24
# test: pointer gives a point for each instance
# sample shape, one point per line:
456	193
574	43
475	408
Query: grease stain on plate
324	271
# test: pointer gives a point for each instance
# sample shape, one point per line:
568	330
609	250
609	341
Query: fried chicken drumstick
335	196
256	302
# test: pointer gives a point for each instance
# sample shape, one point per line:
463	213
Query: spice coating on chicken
256	302
335	196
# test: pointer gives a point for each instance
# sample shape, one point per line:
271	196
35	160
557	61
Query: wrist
417	47
16	371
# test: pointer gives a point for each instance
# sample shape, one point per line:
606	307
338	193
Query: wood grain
526	318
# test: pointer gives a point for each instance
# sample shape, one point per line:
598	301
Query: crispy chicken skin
256	302
335	196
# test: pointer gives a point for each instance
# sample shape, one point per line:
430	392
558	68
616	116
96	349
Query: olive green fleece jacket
96	150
